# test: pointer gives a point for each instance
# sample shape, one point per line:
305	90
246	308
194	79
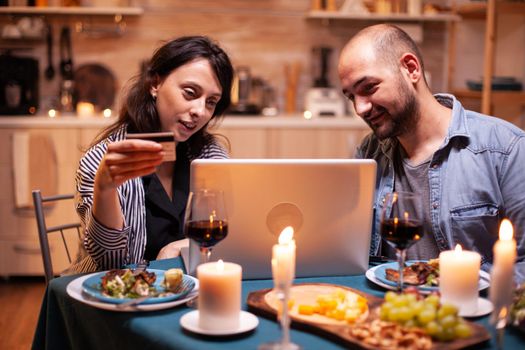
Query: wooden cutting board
262	303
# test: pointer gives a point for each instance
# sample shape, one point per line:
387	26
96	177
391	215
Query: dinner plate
247	322
75	291
377	275
92	286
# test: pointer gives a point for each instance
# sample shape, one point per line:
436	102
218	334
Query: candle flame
220	265
505	230
405	214
458	248
286	235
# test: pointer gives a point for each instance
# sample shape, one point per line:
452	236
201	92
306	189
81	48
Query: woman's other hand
172	250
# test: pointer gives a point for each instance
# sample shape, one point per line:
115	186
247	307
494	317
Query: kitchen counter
292	121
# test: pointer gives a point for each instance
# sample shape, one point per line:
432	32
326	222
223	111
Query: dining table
67	323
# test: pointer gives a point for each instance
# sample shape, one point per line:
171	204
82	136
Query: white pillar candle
219	295
283	259
502	274
458	278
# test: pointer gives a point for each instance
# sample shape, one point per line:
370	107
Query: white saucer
485	307
190	322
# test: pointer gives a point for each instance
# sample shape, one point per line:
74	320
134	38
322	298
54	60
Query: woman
130	201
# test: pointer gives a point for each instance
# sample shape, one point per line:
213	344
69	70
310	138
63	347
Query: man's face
382	96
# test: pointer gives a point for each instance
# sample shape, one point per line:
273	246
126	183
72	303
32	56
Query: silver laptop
327	201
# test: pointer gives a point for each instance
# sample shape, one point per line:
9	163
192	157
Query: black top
165	218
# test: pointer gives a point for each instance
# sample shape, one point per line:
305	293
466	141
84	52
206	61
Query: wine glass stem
285	320
205	254
401	253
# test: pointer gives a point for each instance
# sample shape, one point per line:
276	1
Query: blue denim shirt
476	178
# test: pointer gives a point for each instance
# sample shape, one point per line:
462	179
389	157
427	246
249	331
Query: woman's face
186	98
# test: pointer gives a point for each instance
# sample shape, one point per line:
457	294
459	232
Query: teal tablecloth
65	323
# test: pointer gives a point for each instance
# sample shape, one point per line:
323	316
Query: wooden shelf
497	96
74	10
394	17
490	11
478	10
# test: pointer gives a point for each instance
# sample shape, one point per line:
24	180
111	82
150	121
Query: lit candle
283	259
52	113
502	274
219	295
107	113
458	278
85	109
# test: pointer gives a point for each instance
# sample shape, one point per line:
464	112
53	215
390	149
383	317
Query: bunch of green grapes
440	321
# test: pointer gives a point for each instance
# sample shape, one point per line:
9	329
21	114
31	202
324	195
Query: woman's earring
154	96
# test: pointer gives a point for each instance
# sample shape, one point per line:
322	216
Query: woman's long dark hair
139	111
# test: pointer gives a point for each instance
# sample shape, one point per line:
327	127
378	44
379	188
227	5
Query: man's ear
410	64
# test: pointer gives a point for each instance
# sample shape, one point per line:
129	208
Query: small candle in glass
502	274
283	259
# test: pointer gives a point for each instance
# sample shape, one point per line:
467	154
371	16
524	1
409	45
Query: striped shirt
104	248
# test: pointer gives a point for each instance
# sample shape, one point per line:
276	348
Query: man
468	168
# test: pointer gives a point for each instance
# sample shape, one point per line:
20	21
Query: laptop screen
328	202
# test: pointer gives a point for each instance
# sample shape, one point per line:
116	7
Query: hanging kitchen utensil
66	60
50	70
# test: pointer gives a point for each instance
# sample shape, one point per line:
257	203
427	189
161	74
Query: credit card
166	139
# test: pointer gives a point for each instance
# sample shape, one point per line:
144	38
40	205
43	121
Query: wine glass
402	225
205	220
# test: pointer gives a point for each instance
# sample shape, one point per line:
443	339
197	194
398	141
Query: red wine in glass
207	233
401	234
401	224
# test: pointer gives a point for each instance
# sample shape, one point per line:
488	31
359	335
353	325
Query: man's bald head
387	42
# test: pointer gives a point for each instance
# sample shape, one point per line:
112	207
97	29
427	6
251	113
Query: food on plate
172	279
341	305
123	283
439	321
517	310
390	335
418	273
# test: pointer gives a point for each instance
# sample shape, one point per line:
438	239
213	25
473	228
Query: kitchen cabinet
82	14
490	12
19	245
249	137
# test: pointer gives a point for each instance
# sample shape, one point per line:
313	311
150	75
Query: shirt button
435	205
383	200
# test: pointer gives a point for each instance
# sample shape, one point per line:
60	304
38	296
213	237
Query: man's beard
400	122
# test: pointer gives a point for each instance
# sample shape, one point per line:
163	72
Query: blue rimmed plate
92	287
377	275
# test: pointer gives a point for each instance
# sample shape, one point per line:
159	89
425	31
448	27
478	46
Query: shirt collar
458	124
457	128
